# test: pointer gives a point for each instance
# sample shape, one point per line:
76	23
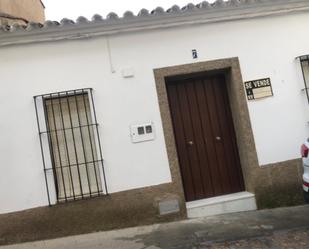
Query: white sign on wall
258	89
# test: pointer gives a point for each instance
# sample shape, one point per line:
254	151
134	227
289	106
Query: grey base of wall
279	184
120	210
275	185
283	196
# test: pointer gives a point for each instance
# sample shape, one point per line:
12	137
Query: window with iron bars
70	145
304	61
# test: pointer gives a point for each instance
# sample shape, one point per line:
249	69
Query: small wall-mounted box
128	73
142	132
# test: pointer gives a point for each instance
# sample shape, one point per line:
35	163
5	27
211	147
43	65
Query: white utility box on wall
142	132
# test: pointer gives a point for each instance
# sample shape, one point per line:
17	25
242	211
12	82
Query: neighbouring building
123	121
21	12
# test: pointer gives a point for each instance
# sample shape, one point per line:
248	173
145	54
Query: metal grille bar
70	145
304	62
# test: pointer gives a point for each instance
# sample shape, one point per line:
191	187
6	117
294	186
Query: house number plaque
258	89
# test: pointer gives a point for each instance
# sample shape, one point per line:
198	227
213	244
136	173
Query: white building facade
119	64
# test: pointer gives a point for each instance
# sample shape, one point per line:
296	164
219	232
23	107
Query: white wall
266	48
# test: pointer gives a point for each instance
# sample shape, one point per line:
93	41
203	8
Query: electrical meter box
142	132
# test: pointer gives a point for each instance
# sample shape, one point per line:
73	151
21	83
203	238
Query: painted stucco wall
266	48
31	10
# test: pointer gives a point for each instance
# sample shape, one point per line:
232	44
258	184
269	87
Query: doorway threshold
231	203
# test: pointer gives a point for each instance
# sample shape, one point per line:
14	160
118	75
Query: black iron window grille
70	145
304	62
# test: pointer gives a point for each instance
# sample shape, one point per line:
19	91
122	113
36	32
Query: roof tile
128	15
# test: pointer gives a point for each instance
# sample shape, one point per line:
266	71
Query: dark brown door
205	136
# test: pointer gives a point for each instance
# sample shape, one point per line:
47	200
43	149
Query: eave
204	13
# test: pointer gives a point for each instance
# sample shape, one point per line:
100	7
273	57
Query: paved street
267	229
295	239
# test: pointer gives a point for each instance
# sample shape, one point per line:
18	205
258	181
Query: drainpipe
110	58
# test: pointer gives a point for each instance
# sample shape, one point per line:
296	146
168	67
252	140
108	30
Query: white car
305	156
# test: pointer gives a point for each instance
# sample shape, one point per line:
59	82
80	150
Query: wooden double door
205	136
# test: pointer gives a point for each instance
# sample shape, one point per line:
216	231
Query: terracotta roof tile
128	15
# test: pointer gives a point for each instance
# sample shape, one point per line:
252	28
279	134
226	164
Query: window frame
49	165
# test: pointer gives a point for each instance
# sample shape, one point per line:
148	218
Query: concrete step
232	203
